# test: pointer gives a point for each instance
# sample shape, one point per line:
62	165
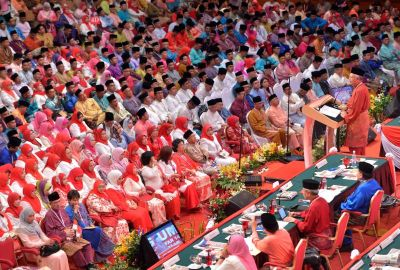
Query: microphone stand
241	134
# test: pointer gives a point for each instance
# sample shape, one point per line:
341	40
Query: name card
374	251
251	209
386	242
395	234
287	186
358	265
275	184
321	163
171	261
212	234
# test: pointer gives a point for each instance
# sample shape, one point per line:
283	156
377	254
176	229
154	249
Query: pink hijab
40	117
104	165
45	130
103	78
118	164
237	246
60	126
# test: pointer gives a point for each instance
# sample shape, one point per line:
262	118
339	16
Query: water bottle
354	160
323	183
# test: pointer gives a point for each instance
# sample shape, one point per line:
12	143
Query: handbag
388	201
47	250
312	257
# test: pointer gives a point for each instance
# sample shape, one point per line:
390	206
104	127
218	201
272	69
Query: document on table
329	111
252	248
330	194
282	224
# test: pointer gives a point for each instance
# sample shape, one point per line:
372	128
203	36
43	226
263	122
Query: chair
341	227
299	254
259	140
278	90
10	253
295	82
372	217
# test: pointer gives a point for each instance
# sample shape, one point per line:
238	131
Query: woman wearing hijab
26	153
77	126
119	160
102	146
130	211
31	138
117	137
104	167
129	129
181	126
89	151
77	147
7	94
44	187
101	243
86	26
5	224
5	190
75	180
30	199
134	187
17	178
102	209
90	175
209	142
165	133
107	76
169	171
236	255
46	135
33	174
61	126
234	135
191	170
67	162
133	155
32	236
14	208
39	119
143	143
154	140
51	166
62	187
152	177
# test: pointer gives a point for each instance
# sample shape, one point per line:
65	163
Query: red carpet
193	223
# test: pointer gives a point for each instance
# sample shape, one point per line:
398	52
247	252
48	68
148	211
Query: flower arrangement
377	106
318	150
127	252
217	206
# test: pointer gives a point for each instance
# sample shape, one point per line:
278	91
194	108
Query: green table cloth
333	161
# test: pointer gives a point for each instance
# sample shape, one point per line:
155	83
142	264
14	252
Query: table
333	160
363	260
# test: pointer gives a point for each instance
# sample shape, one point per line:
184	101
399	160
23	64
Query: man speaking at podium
356	114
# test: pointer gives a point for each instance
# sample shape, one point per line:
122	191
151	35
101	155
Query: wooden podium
311	110
312	113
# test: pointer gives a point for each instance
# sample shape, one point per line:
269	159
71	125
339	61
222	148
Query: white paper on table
370	161
252	248
329	111
282	224
328	194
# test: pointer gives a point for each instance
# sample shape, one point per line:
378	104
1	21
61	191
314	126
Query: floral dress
105	208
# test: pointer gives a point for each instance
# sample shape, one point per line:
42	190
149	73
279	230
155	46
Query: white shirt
159	33
212	118
336	81
311	68
25	28
173	105
218	85
76	132
154	117
162	109
293	107
191	115
202	93
103	149
184	95
231	263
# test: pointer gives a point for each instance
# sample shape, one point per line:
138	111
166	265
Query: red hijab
73	174
6	86
97	136
130	172
26	152
27	136
57	149
52	161
13	210
33	200
134	158
163	132
204	132
49	114
4	187
57	183
75	120
30	167
16	176
232	120
139	141
63	138
64	157
181	122
85	167
95	190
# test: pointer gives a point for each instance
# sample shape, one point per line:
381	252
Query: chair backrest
374	208
259	140
278	90
7	252
341	229
299	254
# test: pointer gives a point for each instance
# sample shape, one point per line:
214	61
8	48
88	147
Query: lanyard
60	218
